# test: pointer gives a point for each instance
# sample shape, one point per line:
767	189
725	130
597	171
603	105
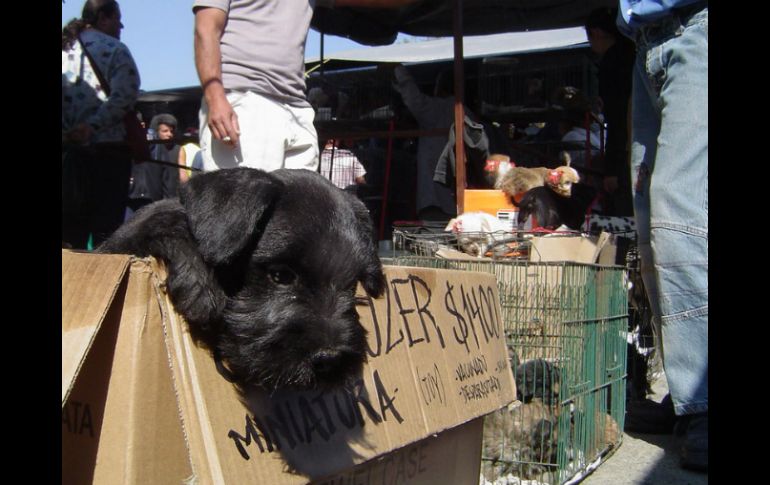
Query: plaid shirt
343	168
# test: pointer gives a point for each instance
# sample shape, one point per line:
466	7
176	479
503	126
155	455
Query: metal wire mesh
341	166
427	242
566	326
528	81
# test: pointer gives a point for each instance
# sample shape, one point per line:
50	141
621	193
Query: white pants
273	136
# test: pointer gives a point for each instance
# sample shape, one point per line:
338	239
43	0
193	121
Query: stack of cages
351	94
566	329
512	84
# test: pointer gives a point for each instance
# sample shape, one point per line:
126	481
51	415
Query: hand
223	122
610	184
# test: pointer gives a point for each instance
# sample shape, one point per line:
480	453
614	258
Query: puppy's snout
326	361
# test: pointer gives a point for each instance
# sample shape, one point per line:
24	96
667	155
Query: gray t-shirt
263	46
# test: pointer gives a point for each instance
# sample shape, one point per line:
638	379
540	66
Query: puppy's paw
374	282
197	297
202	311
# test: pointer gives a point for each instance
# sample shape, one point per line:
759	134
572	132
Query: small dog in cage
264	268
478	232
552	211
518	180
539	379
520	440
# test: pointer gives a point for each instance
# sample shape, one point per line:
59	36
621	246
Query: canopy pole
386	185
457	8
321	72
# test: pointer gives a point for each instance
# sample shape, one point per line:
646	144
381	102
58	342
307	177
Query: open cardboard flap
158	411
580	249
120	420
82	317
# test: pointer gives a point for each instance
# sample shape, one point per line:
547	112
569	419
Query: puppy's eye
282	276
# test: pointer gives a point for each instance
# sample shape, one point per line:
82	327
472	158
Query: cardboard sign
448	458
437	359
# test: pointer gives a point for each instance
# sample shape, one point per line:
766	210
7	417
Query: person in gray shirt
249	55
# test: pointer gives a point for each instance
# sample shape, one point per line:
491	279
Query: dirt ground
645	459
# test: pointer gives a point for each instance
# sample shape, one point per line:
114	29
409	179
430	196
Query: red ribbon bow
554	177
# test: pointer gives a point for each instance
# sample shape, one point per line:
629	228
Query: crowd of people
255	113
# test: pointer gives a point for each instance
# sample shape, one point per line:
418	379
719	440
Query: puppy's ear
224	209
371	276
161	230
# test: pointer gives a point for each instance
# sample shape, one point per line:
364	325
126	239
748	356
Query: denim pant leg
671	98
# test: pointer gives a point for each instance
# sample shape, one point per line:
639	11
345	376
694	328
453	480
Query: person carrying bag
136	134
100	85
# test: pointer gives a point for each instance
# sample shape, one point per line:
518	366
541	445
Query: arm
184	172
414	99
360	171
123	78
209	25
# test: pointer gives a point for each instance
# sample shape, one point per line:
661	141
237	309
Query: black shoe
650	417
694	453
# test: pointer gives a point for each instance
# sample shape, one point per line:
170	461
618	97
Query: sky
159	34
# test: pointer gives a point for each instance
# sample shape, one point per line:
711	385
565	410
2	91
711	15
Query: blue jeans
669	167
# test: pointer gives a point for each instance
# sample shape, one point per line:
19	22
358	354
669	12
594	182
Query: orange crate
489	201
495	203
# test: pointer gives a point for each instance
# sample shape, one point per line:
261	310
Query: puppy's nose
326	361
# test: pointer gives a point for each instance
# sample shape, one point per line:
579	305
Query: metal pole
321	72
386	184
459	110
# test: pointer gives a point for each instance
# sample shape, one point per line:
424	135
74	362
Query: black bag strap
95	67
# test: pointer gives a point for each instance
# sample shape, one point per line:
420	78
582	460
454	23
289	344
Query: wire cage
566	326
427	241
528	81
341	166
645	364
351	94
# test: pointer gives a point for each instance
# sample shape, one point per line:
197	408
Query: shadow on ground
646	459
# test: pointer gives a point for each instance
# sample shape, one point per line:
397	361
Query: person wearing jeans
669	167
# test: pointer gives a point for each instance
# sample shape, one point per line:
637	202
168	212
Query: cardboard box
449	458
141	403
580	248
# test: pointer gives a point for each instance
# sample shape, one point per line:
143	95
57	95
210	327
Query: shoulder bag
136	135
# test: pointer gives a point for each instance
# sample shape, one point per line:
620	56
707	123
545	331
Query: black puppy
537	378
264	268
552	210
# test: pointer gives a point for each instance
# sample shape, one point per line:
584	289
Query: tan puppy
518	180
